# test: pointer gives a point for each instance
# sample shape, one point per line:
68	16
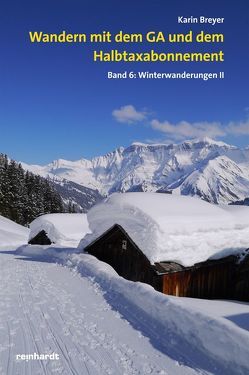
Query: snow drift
62	229
173	228
12	233
178	323
214	337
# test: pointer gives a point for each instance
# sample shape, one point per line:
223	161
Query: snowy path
46	308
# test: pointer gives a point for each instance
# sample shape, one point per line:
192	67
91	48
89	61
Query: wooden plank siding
176	283
241	287
211	281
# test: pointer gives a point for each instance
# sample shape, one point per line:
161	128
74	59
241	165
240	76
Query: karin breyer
210	20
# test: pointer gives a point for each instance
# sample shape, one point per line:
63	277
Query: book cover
124	187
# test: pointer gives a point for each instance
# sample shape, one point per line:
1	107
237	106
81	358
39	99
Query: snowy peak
61	163
207	142
184	168
219	180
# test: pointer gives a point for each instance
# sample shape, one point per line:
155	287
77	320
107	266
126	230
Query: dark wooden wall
130	263
241	285
207	281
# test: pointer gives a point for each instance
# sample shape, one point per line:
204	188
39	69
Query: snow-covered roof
175	228
63	229
12	233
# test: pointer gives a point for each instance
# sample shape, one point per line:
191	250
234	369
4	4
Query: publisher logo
37	357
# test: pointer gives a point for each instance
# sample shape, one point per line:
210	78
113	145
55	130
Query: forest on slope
24	195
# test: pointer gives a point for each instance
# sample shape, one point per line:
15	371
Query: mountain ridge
153	167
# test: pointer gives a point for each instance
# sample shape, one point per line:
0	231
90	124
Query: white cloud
128	114
184	129
241	128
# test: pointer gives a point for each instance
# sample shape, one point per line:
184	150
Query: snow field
199	339
56	299
46	308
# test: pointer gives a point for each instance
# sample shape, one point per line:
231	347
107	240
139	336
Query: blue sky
55	102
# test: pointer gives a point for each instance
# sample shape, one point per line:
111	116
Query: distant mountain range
212	170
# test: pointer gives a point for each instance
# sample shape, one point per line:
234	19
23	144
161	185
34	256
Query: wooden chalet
212	279
40	239
64	229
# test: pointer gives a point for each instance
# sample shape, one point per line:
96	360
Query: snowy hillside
213	170
12	233
219	180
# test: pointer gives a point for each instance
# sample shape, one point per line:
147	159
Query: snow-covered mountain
213	170
83	198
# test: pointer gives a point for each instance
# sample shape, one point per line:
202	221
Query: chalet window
124	245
